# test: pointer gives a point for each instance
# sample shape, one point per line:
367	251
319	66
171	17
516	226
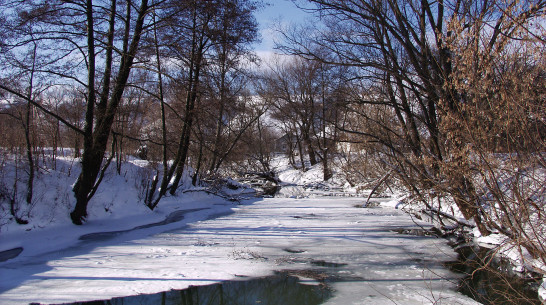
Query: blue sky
276	11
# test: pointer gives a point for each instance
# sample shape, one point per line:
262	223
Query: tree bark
96	139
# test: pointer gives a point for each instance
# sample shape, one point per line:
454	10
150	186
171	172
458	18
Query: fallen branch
450	217
218	194
383	179
269	176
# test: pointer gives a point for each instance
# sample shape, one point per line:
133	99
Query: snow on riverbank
116	206
259	237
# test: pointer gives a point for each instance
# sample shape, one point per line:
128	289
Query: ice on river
356	247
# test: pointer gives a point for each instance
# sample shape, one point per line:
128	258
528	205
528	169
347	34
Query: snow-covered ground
196	239
258	237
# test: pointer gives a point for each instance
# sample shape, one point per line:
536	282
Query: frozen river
357	249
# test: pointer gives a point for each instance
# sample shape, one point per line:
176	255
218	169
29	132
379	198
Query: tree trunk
310	149
196	56
300	149
188	120
219	122
327	173
87	177
27	126
291	150
96	140
77	152
198	166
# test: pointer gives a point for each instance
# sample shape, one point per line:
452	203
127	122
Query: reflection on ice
278	289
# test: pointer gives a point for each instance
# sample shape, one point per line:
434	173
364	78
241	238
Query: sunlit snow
382	266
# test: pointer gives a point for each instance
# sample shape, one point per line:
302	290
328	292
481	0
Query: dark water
490	280
281	289
487	279
322	263
173	217
9	254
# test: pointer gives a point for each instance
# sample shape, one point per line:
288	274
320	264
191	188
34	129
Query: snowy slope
116	206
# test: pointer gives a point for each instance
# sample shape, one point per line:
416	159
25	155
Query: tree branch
42	108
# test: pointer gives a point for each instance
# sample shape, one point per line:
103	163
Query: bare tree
85	32
451	74
189	19
305	95
200	36
236	29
